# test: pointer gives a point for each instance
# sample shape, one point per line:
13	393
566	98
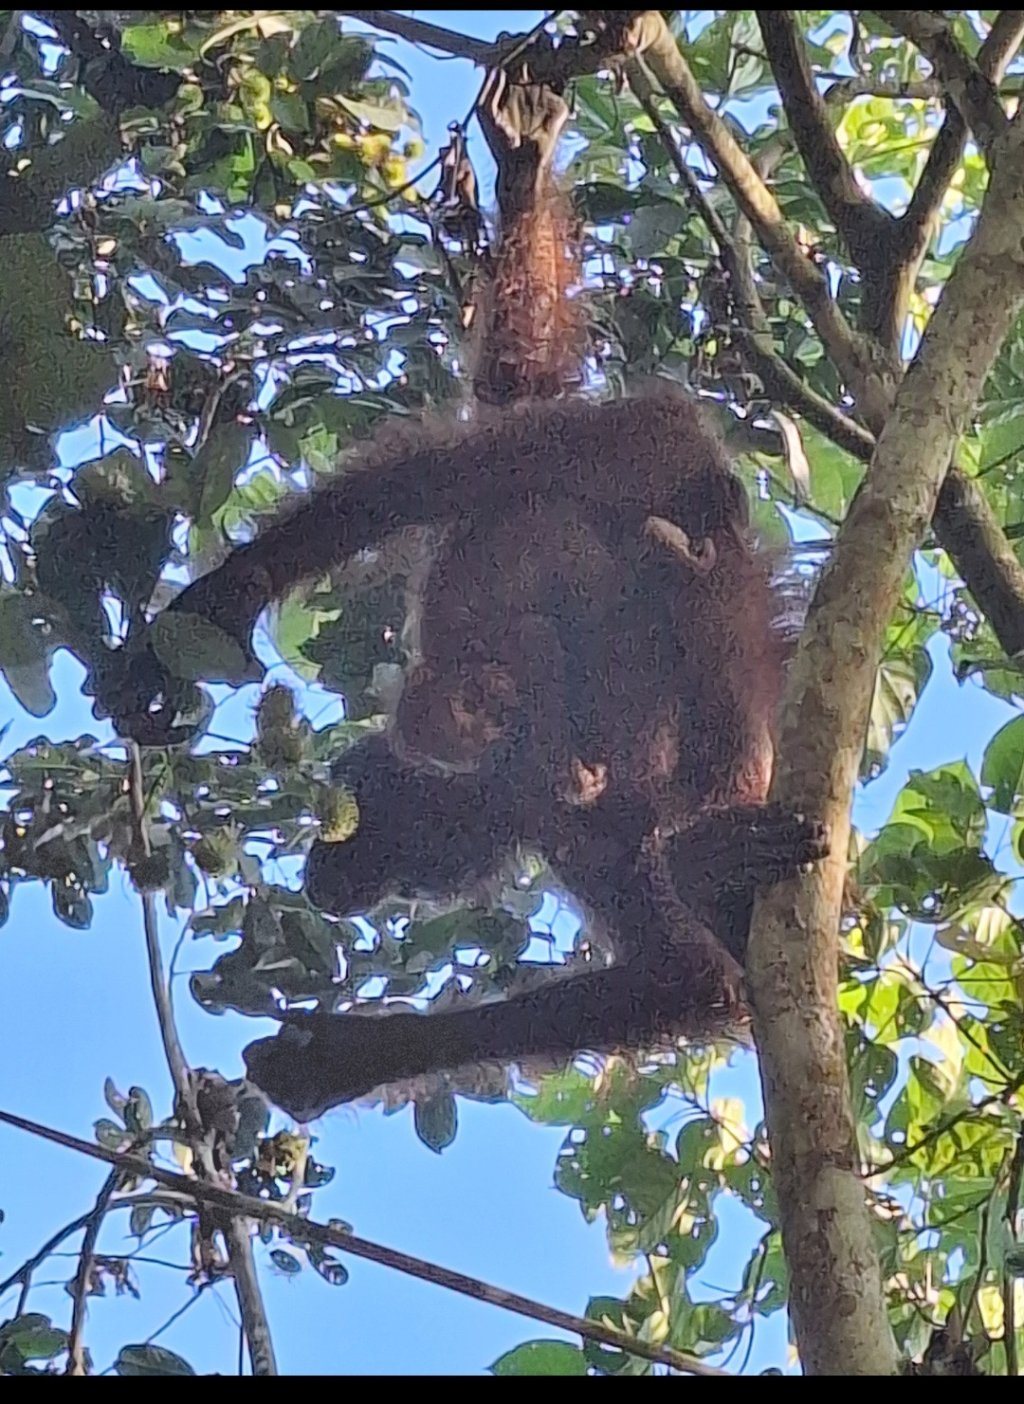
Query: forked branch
970	89
965	523
864	226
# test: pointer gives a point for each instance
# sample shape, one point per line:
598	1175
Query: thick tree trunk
837	1302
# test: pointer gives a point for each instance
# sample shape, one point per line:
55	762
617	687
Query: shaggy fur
600	668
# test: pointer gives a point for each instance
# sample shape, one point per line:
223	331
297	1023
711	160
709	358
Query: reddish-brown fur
534	320
599	654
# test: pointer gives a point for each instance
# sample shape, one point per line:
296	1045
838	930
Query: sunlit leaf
541	1358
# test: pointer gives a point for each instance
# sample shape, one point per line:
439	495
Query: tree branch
868	374
23	1274
965	523
864	226
309	1231
554	65
970	90
869	232
86	1256
1009	1284
173	1052
837	1306
916	225
252	1309
967	530
434	36
752	328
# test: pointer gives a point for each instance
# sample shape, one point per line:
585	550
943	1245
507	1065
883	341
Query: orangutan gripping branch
600	667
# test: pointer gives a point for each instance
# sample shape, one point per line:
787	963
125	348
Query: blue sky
75	1008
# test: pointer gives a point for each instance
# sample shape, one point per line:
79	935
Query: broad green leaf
72	906
215	466
332	1271
150	1361
285	1262
1000	442
437	1122
24	654
541	1358
386	119
653	227
32	1336
898	685
1003	766
158	46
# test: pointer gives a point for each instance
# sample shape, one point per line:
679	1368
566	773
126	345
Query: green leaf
386	119
108	1133
24	654
1000	442
654	226
32	1337
285	1262
899	683
220	921
436	1122
138	1112
1015	1261
314	47
215	466
835	474
953	801
541	1358
155	46
140	1219
602	202
114	1099
193	649
290	112
293	625
1003	766
561	1099
332	1271
150	1361
312	940
72	906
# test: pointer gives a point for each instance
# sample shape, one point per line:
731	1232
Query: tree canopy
220	250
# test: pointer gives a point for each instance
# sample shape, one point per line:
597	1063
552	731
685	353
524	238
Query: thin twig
23	1274
309	1231
571	58
1013	1192
853	355
76	1354
236	1231
997	1065
159	988
503	55
434	36
982	1269
965	523
941	1128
